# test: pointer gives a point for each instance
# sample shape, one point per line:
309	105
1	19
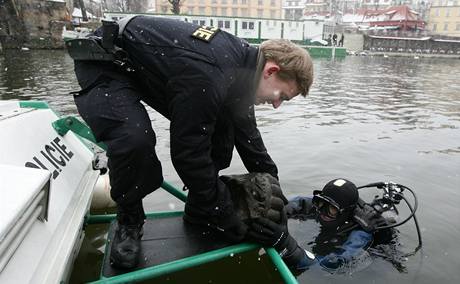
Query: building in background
380	4
293	9
444	17
317	9
232	8
401	18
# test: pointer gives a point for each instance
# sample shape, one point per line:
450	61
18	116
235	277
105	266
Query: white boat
46	184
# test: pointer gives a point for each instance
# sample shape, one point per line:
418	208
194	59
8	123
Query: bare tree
175	6
80	4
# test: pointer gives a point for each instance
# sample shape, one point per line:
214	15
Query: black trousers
110	103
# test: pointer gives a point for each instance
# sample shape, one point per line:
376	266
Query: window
435	26
224	2
220	24
214	1
436	12
235	12
235	2
202	22
457	28
214	11
272	3
446	26
224	11
273	14
260	2
195	22
247	25
244	2
201	10
227	24
447	12
244	12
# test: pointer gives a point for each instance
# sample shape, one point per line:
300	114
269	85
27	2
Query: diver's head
335	203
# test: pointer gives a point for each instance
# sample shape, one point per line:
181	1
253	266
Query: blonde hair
294	62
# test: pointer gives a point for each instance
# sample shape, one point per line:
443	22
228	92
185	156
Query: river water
367	119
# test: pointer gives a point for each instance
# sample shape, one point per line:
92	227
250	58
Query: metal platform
166	240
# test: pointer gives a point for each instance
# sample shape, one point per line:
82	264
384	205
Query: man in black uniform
206	82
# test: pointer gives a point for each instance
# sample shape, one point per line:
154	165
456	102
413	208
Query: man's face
273	90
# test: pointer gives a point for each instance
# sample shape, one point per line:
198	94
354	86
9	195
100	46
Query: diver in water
348	226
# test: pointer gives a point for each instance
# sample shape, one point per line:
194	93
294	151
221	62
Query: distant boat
385	55
416	57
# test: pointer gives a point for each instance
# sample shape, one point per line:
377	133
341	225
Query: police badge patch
205	33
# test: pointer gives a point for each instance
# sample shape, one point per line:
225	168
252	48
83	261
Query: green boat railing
70	123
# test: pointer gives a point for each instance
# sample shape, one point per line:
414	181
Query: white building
293	9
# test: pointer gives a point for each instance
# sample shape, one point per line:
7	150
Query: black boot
126	243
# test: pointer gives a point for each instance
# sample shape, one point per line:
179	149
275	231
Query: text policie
54	155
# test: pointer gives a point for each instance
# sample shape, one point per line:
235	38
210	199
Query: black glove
232	228
217	213
255	195
269	233
300	208
276	189
368	218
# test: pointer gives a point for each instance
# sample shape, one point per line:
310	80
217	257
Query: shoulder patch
205	33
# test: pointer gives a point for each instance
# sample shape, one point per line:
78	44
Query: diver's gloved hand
269	233
368	218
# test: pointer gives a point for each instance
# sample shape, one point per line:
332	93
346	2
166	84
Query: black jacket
206	90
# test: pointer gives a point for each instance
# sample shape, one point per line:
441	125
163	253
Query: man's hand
217	213
232	228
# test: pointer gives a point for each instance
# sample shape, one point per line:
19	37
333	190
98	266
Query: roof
395	14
